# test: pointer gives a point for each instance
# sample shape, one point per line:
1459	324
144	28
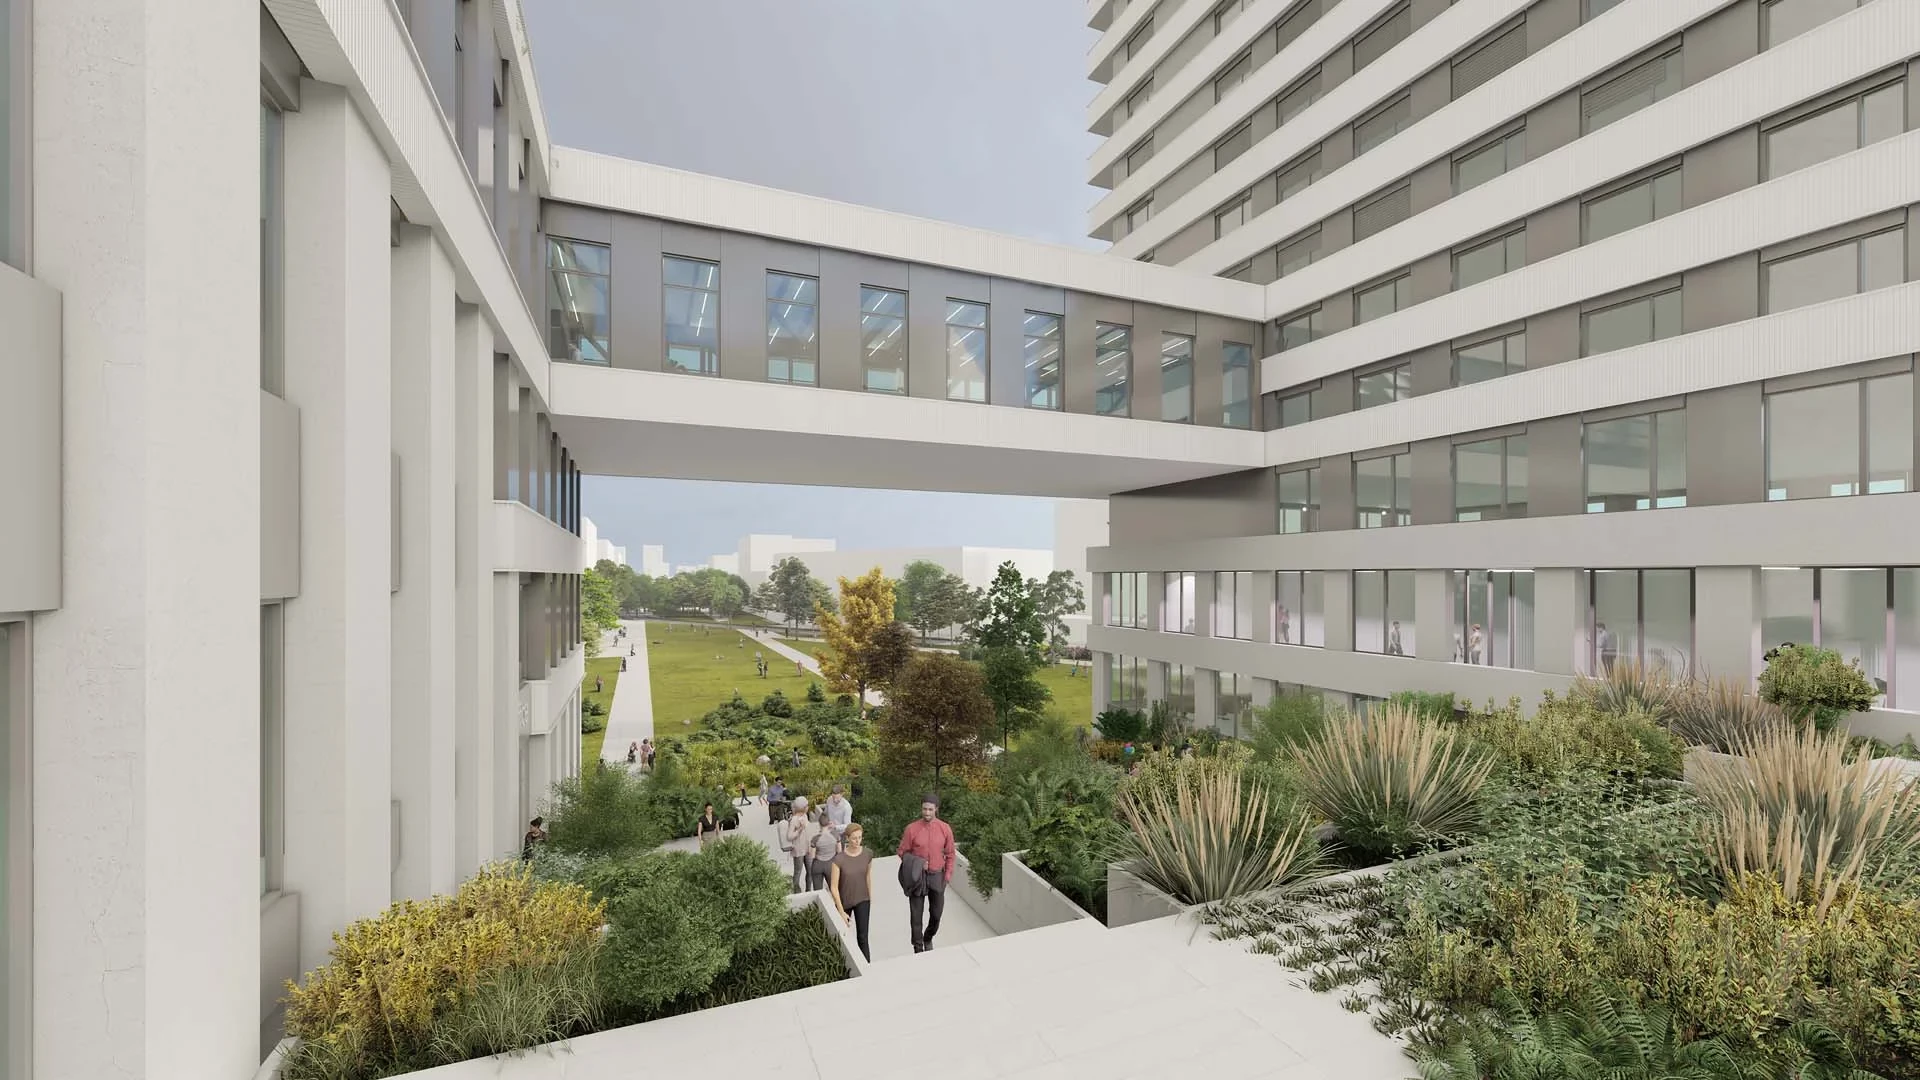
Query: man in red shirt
932	840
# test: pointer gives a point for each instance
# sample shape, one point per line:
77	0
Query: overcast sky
968	112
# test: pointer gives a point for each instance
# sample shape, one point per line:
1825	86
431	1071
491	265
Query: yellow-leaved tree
860	635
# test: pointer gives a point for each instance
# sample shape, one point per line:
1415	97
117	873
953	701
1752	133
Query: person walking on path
633	752
599	684
826	845
839	812
796	839
930	842
707	829
776	801
850	879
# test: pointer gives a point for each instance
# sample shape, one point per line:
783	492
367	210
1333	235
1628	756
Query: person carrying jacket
929	840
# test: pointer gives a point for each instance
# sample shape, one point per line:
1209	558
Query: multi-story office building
1492	321
1590	339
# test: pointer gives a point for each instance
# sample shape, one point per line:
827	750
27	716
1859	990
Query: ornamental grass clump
1393	783
1211	834
1721	713
1801	808
1628	686
377	1006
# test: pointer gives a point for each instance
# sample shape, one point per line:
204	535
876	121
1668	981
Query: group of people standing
641	753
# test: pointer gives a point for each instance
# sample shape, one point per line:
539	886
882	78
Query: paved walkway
874	697
630	719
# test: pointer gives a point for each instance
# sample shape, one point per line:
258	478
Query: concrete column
338	631
1432	615
473	592
1102	676
1264	691
1203	599
505	724
1339	610
1263	606
1559	620
1156	600
1100	600
423	610
146	740
1726	627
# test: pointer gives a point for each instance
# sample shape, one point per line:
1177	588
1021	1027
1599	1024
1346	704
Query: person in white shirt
796	840
839	812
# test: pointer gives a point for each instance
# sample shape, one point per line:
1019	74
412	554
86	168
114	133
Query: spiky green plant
1628	686
1212	834
1801	807
1719	714
1394	782
1611	1038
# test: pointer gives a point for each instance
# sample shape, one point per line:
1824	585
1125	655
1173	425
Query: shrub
776	704
1393	783
1800	808
1433	707
804	952
1815	685
816	695
1121	725
592	722
521	1008
375	1007
1722	713
1568	735
1207	837
678	920
1631	687
607	812
1059	809
1286	723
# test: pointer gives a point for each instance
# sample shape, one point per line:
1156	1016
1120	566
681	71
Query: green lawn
688	682
608	668
1072	691
813	647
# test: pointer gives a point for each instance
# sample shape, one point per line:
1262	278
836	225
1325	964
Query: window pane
1667	596
1670	468
1483	165
692	306
1813	442
1477	481
1516	476
1236	363
1112	364
1791	18
1890	434
1811	278
1040	357
1232	146
1382	299
1176	378
692	273
883	340
1619	458
1299	499
1287	611
1400	613
1853	619
1786	608
1814	139
1243	605
793	331
1906	631
579	306
1488	260
1616	614
1299	330
1647	201
1369	610
1382	126
1311	625
1230	218
1296	409
1636	322
1383	387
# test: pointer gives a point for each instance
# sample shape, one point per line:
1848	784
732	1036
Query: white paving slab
630	717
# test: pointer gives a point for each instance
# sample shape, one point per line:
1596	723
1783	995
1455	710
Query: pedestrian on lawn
851	882
926	846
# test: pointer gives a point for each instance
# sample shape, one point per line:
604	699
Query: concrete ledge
526	542
822	903
1131	900
1024	900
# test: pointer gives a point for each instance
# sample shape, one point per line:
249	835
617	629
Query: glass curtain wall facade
793	329
1642	617
1233	604
883	340
1383	615
691	298
1043	341
1493	617
1126	682
1177	613
1869	615
1300	607
580	301
1127	602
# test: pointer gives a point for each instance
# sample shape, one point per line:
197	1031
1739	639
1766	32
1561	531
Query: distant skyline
853	101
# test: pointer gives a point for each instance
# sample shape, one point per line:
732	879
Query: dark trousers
929	907
860	912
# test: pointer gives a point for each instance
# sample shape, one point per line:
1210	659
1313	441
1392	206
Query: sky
969	112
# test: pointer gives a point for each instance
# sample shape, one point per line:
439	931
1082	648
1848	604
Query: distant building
759	551
975	565
729	563
594	547
1078	524
653	561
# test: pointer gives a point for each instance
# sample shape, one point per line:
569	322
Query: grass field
688	682
1072	691
608	668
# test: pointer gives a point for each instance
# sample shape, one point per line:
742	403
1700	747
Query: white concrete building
1501	320
1079	525
729	562
759	551
594	547
975	565
653	561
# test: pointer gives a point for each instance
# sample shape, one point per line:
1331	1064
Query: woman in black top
707	829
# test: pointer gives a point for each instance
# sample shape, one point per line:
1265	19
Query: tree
866	610
727	598
1017	694
1053	600
918	600
889	653
822	597
599	611
937	716
1009	617
792	590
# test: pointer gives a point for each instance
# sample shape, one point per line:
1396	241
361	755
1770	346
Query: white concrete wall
29	442
146	914
1131	900
1024	900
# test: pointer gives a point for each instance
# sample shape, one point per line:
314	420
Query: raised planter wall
1131	900
1024	900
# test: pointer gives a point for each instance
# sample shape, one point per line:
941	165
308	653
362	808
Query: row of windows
1847	438
580	326
1871	616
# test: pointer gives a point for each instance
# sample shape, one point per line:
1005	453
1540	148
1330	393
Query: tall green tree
1014	688
792	590
1009	617
1054	599
866	610
937	716
917	601
599	611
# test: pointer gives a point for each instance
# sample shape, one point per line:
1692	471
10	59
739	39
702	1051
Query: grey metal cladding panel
1721	167
841	276
1913	94
1432	185
1553	231
1430	93
1550	20
1084	311
1720	293
1479	66
1556	483
1336	149
691	241
279	498
1337	393
1553	124
1727	37
1006	351
1336	494
1913	243
1237	504
1432	369
1553	337
1432	481
579	222
1725	454
1185	242
1151	322
1432	276
638	329
744	262
930	289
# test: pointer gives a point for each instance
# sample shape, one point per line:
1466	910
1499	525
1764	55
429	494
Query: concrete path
888	932
792	654
630	719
